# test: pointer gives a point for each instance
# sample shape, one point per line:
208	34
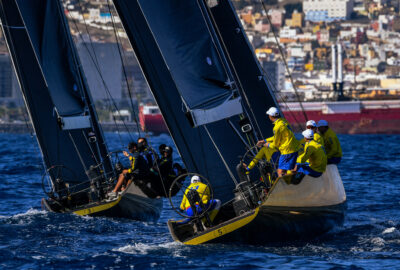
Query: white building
327	10
296	51
287	32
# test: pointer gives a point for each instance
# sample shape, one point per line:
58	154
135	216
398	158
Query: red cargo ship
349	117
151	119
345	117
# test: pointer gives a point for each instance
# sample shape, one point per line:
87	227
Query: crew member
270	155
165	162
162	170
313	161
139	169
147	152
331	143
204	194
283	140
317	137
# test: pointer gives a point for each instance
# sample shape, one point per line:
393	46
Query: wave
30	212
144	249
23	218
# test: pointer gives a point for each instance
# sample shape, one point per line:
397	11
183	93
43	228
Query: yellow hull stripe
222	230
97	208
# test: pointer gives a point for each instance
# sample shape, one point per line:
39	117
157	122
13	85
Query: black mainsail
54	88
194	83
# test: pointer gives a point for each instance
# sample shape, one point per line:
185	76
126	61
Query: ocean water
31	238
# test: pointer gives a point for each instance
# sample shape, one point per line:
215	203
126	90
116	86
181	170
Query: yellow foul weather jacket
283	138
202	189
314	153
332	144
317	138
265	152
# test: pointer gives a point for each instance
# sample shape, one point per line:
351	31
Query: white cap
308	134
273	112
311	123
195	179
322	123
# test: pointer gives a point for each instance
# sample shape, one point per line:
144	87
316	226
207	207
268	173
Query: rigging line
97	65
276	92
211	16
220	155
95	62
12	27
284	59
119	43
159	171
240	136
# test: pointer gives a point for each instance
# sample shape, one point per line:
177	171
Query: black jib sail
54	89
195	84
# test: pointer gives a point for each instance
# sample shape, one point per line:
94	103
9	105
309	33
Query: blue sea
31	238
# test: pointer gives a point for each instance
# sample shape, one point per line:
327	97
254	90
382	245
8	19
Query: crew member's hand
244	165
125	153
260	143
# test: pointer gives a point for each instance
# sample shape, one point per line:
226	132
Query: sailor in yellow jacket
331	143
265	152
283	140
313	161
204	194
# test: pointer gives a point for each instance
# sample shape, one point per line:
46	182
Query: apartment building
327	10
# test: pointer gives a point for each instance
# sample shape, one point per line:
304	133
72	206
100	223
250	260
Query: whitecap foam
389	230
30	212
24	218
144	249
377	241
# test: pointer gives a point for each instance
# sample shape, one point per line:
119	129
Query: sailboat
213	96
77	161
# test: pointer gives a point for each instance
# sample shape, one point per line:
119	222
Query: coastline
22	127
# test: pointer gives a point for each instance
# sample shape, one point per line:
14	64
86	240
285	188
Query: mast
334	79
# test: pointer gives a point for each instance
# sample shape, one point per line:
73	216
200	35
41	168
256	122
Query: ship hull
362	117
131	204
345	117
278	224
296	207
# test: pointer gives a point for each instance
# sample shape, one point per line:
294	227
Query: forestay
53	87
